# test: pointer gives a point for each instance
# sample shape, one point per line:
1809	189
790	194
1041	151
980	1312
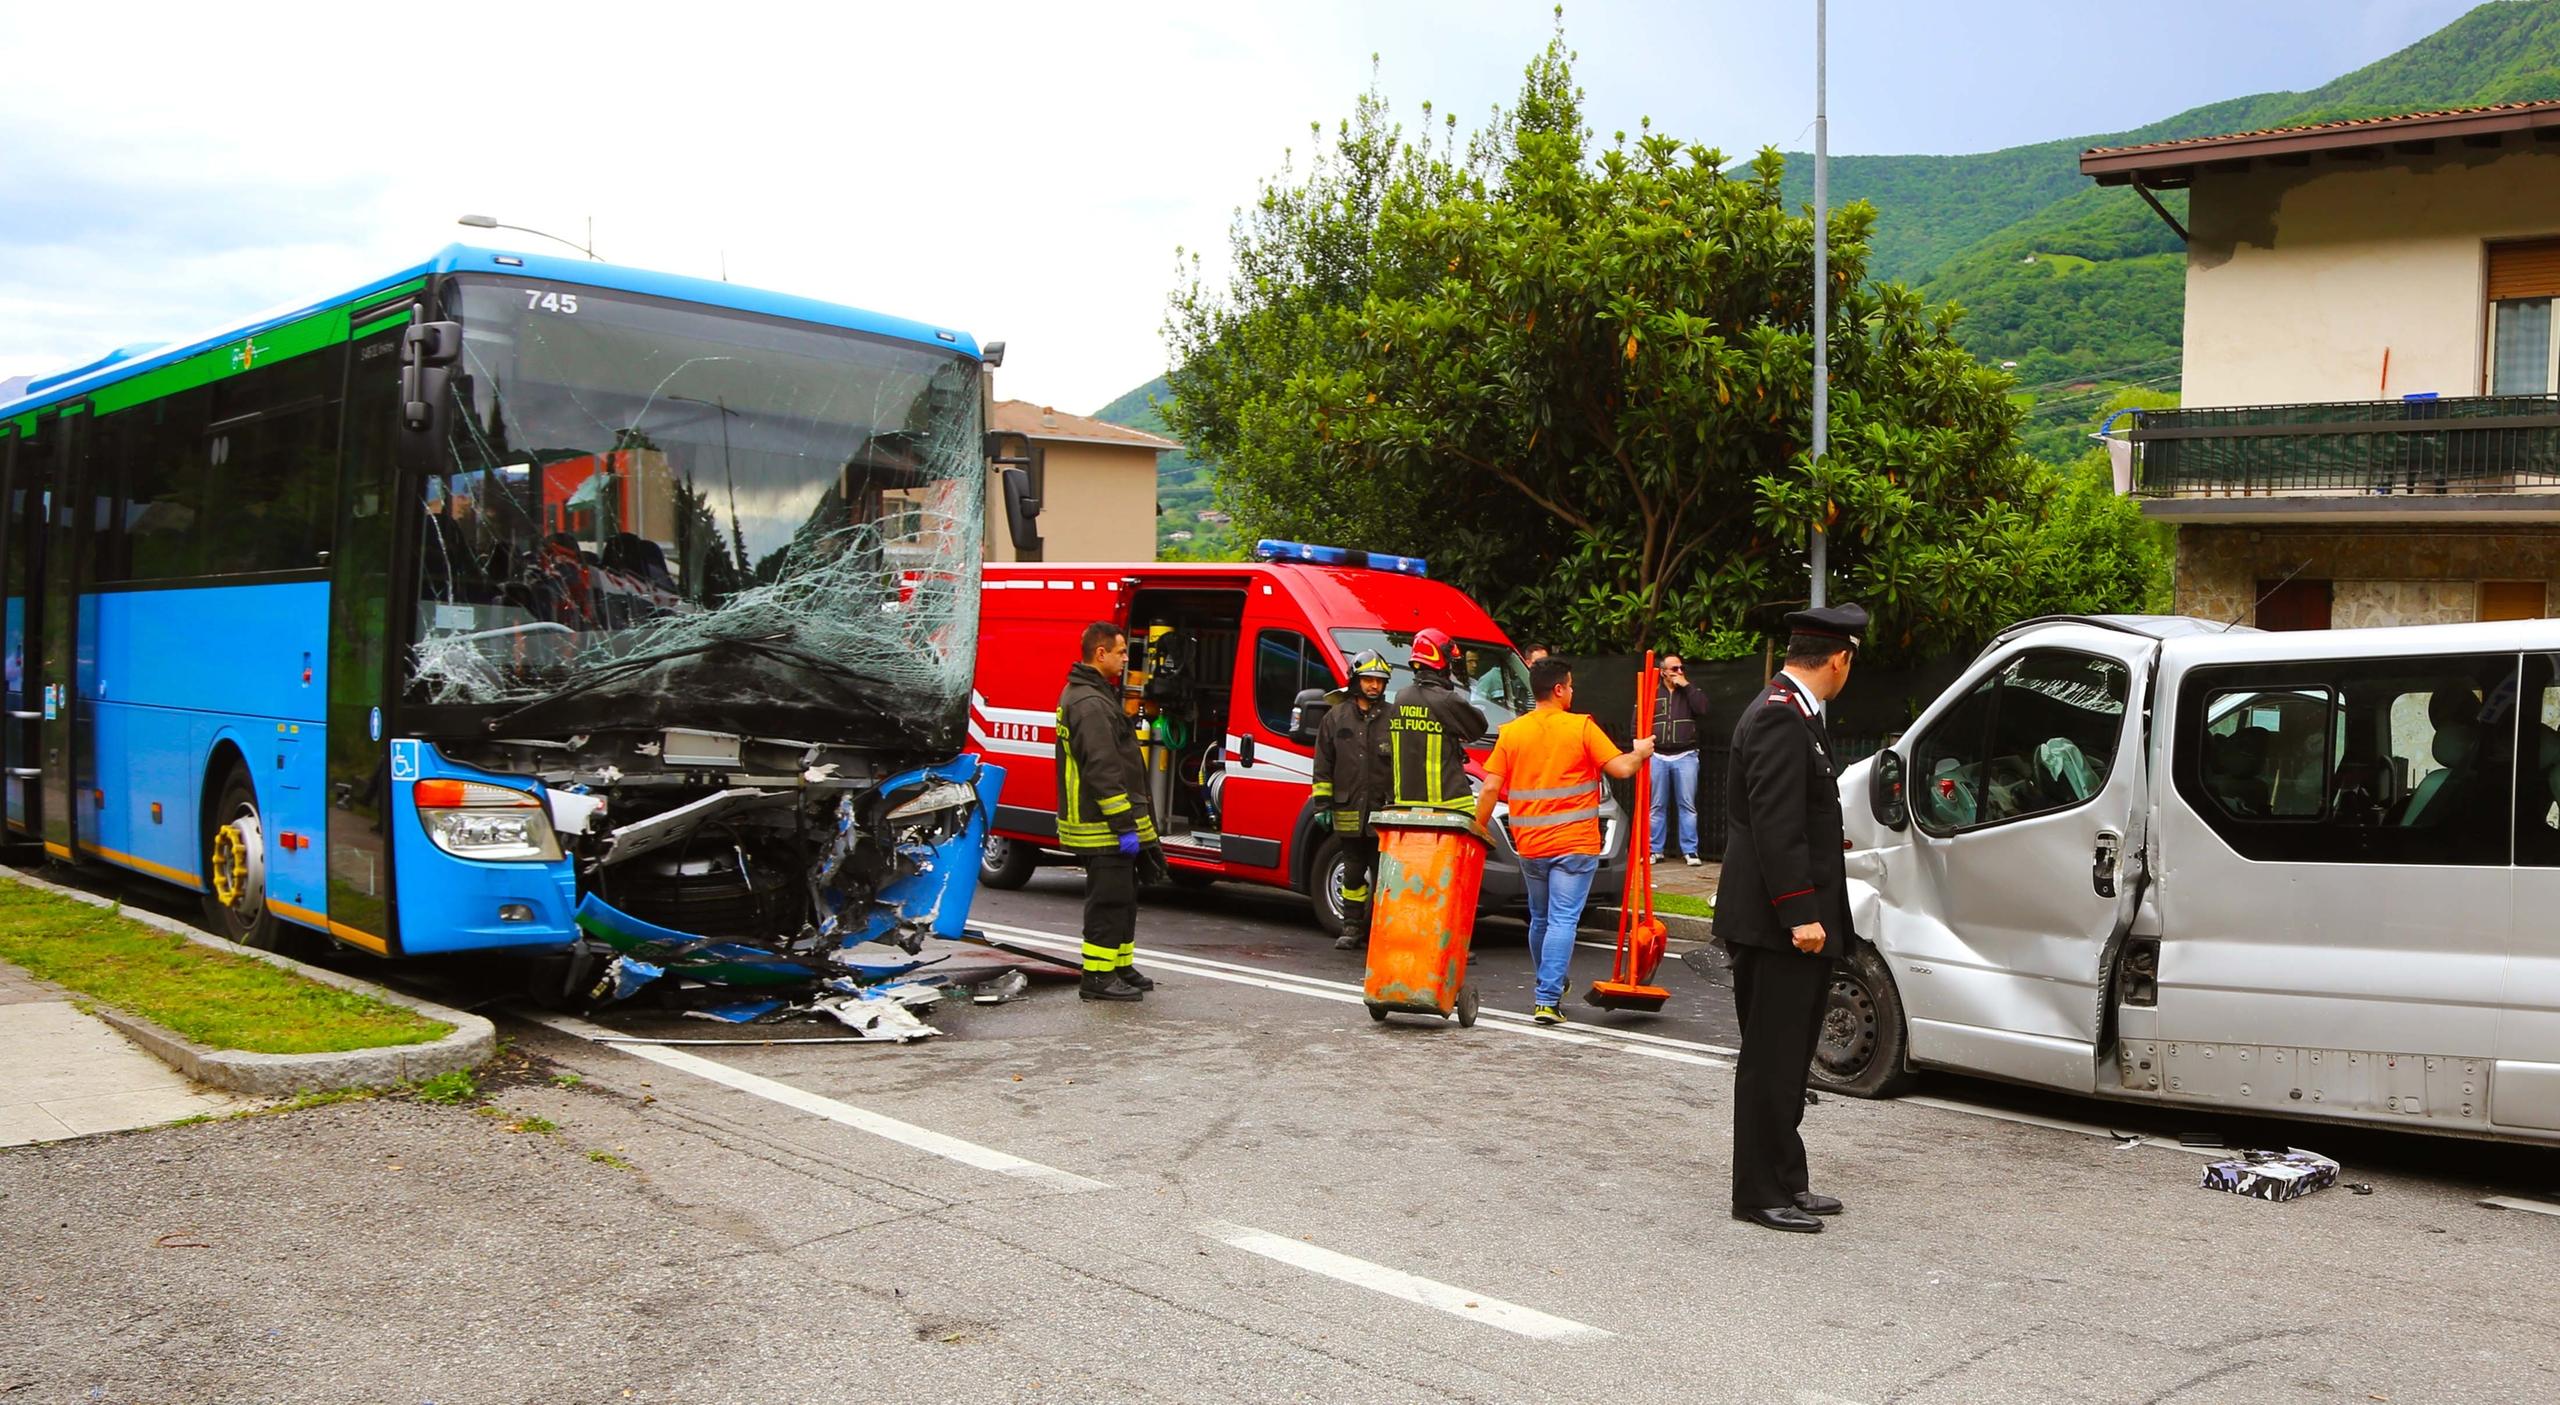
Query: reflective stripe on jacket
1549	765
1102	792
1351	761
1427	746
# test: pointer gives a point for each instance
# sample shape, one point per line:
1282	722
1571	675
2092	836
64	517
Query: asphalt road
1238	1190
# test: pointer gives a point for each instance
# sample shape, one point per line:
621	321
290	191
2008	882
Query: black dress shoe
1813	1204
1786	1217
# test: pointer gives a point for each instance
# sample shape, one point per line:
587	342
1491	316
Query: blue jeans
1675	782
1558	887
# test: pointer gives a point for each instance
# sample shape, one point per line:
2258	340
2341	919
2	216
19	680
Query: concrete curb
471	1043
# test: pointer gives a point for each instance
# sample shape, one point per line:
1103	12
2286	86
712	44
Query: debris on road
2271	1175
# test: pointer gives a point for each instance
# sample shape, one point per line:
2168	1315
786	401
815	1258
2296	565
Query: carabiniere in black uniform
1782	870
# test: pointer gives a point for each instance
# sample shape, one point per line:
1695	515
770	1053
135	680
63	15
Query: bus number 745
536	300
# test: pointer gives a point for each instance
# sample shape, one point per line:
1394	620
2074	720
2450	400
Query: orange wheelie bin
1422	915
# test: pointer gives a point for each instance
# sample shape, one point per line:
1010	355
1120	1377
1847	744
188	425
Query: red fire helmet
1431	649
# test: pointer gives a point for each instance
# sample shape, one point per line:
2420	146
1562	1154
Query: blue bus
512	602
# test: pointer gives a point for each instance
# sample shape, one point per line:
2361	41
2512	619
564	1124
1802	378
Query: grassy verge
1683	904
212	997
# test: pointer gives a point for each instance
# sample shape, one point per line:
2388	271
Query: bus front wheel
235	865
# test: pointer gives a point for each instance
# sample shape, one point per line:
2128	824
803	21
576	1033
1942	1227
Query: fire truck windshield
1494	678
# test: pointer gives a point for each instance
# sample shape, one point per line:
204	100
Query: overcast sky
1021	171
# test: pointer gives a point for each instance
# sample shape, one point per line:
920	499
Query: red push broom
1641	936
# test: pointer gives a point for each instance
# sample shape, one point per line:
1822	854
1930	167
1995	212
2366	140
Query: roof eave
2122	165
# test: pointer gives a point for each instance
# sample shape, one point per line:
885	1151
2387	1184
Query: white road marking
1258	975
2029	1119
1396	1283
1458	1302
908	1134
1630	1041
2512	1202
1289	984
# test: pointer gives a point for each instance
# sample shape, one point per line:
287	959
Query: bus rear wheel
235	866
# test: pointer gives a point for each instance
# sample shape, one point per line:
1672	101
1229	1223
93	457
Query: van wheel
1006	863
235	866
1863	1039
1324	888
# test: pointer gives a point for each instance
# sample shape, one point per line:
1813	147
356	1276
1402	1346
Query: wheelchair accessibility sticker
404	761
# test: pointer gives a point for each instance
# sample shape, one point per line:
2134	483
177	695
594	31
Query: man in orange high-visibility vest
1549	766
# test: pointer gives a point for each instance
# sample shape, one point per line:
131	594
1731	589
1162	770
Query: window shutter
2528	269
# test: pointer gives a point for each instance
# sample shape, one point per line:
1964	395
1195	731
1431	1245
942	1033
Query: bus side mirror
428	354
1009	451
1885	792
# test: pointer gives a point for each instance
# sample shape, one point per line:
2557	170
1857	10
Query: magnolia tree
1580	381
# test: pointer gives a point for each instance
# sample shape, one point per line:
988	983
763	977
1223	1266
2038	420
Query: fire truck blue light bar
1305	554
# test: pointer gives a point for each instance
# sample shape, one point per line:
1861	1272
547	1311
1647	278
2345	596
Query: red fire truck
1230	665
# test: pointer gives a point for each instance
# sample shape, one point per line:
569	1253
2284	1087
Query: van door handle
1244	754
2102	867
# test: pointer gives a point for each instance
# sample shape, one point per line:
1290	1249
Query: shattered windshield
662	514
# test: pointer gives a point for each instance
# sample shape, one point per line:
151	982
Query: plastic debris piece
626	976
2359	1188
735	1012
1006	987
880	1021
2271	1175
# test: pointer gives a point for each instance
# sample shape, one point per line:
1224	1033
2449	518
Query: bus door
2004	903
45	747
22	493
366	612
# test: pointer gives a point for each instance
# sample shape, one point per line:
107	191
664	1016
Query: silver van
2309	874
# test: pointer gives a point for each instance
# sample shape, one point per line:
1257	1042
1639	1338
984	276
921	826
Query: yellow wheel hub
237	864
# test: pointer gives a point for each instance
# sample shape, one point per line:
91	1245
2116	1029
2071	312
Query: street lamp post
491	222
1821	284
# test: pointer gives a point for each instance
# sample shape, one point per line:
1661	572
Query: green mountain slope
1185	487
2082	287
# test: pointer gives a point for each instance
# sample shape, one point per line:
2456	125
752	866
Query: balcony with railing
2476	456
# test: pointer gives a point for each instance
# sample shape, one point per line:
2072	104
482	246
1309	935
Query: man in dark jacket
1351	781
1427	738
1783	912
1103	815
1679	724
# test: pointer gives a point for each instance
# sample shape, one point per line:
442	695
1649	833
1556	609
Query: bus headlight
476	820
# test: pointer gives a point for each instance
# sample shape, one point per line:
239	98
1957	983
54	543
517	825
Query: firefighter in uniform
1351	781
1783	912
1103	815
1428	735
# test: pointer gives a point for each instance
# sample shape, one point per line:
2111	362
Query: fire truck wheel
1006	863
1324	888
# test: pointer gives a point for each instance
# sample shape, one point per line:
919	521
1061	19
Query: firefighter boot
1107	985
1355	927
1130	971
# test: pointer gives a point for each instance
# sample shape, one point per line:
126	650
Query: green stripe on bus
388	294
315	333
